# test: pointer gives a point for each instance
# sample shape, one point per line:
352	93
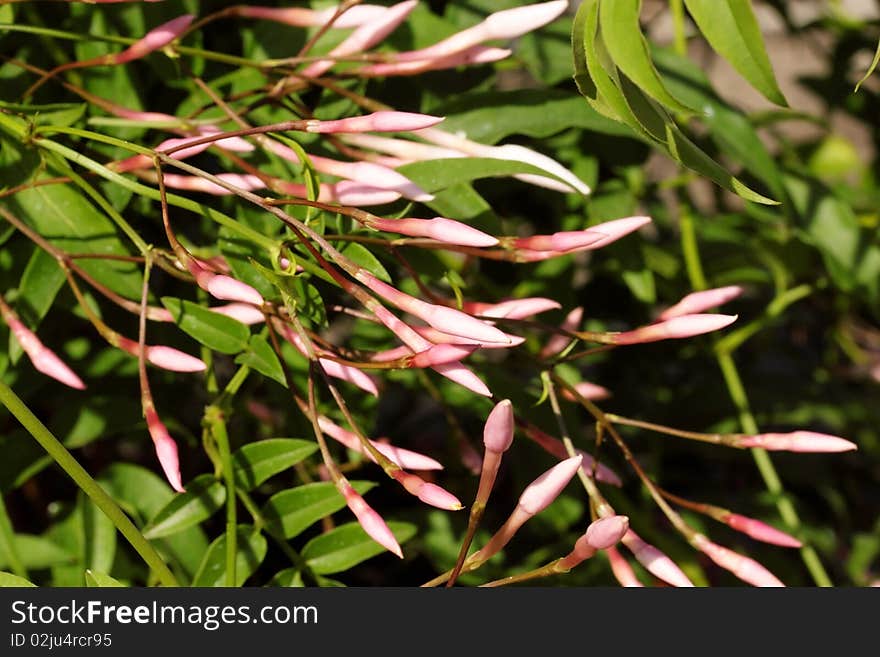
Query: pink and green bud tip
698	302
369	520
155	39
797	441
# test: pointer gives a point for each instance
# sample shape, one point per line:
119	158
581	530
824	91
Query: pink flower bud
435	496
234	144
172	359
621	569
587	390
402	148
224	287
438	228
166	449
464	377
540	493
797	441
499	428
370	521
155	39
560	340
364	37
517	153
403	458
606	532
443	318
657	563
684	326
748	570
383	121
43	359
506	24
760	531
466	57
555	447
301	17
561	241
243	312
439	337
698	302
351	374
616	229
512	308
442	353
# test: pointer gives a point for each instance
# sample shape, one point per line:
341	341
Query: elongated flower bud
797	441
760	531
369	520
684	326
512	308
555	447
498	430
224	287
364	37
442	353
301	17
747	569
439	337
506	24
43	359
403	458
657	563
155	39
561	241
383	121
438	228
606	532
698	302
587	390
166	358
427	492
540	493
243	312
466	57
623	572
335	369
615	229
166	448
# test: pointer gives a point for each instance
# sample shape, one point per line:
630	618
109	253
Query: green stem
747	421
85	482
217	423
679	42
7	542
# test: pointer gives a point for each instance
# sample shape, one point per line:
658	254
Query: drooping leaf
731	28
261	357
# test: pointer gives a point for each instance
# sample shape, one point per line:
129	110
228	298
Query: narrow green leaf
215	331
871	68
99	535
622	34
37	553
250	554
291	511
203	497
435	175
40	283
255	462
261	357
8	580
362	256
97	579
348	545
731	28
309	301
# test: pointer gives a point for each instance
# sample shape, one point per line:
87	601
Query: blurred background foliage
806	345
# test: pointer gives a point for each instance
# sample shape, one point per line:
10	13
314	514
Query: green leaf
362	256
37	553
309	301
261	357
250	554
348	545
204	495
99	534
435	175
622	35
96	578
291	511
871	68
8	580
215	331
732	30
255	462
